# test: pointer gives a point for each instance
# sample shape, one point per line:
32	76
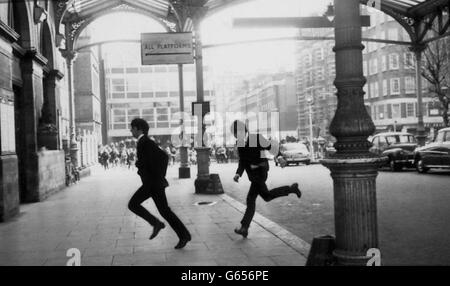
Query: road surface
413	209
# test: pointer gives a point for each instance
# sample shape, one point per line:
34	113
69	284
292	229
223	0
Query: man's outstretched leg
135	205
260	188
160	199
279	192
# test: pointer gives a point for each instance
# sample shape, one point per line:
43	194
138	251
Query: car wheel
394	166
308	163
297	164
420	167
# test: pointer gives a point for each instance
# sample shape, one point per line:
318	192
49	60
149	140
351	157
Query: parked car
435	154
397	146
294	153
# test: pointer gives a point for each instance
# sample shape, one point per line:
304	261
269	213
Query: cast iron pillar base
207	184
355	208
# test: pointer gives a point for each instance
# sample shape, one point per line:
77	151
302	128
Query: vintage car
435	154
294	153
398	147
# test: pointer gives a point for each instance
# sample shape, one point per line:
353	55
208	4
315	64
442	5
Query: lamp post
310	101
446	92
418	52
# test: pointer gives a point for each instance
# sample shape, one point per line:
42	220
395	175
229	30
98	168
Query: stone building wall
51	173
9	188
9	182
33	93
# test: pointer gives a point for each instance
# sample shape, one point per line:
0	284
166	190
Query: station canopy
157	8
161	8
87	8
415	9
412	14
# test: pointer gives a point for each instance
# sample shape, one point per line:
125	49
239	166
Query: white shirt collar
140	136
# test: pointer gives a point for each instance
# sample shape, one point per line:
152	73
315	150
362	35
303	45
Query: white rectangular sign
167	48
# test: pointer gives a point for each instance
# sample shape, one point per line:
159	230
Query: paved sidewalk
93	217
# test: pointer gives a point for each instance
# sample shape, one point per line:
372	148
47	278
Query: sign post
166	49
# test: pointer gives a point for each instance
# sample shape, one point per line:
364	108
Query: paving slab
92	216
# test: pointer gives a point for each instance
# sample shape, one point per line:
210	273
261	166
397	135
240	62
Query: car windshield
395	139
294	147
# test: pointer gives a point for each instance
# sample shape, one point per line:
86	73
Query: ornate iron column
189	14
353	168
103	96
205	183
420	134
202	150
74	148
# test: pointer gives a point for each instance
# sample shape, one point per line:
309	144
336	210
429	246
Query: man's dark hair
140	124
237	124
239	128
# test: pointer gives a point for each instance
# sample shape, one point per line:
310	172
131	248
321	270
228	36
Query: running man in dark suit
151	163
251	149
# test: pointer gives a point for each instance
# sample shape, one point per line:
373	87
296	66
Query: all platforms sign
167	48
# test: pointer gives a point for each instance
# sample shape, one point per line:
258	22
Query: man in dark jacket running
152	166
251	150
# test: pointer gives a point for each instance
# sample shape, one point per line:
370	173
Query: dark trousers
258	186
159	197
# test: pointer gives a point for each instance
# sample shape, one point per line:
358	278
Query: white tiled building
152	93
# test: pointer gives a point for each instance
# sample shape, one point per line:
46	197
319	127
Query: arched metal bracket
76	24
188	13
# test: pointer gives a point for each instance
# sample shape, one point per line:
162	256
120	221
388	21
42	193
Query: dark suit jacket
151	163
251	154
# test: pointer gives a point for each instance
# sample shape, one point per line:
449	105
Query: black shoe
182	243
296	190
242	231
156	230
